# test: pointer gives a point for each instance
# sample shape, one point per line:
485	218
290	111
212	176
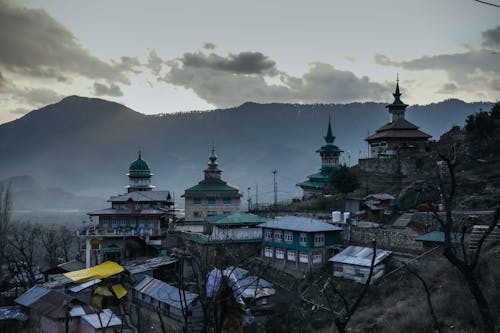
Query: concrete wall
391	165
204	208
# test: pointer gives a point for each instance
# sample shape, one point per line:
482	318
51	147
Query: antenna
249	200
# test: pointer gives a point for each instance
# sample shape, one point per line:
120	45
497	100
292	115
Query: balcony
229	235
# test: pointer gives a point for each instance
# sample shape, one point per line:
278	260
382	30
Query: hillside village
363	245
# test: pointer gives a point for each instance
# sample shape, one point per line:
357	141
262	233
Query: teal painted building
299	243
330	155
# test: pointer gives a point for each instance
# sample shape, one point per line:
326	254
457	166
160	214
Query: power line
488	3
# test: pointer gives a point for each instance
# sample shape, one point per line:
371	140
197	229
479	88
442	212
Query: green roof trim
308	183
139	165
400	124
235	219
329	148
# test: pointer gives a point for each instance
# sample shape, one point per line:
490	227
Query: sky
170	56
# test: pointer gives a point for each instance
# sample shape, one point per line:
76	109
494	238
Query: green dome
139	165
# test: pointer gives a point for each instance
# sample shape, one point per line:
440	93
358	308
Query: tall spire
212	172
329	138
397	94
213	157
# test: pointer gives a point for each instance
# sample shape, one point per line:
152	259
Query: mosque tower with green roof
139	175
211	196
330	156
398	136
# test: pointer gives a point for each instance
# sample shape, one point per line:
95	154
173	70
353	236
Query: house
159	296
354	263
298	243
378	205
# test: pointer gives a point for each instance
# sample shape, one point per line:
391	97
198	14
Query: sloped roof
359	256
164	292
213	186
72	265
296	223
12	313
235	218
398	124
54	304
127	211
101	271
414	134
380	196
31	295
141	196
106	317
85	285
149	264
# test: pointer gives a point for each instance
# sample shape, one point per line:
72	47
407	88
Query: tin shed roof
359	256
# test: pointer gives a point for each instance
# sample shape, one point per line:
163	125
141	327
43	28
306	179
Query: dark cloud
111	90
209	46
221	82
35	96
33	43
491	38
448	88
155	63
473	70
241	63
130	64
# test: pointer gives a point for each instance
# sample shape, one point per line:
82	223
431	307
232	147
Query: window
291	255
317	257
280	254
114	222
288	236
303	239
142	223
105	223
151	223
278	236
211	201
211	213
319	239
268	252
226	201
133	223
303	257
269	235
196	201
122	222
196	214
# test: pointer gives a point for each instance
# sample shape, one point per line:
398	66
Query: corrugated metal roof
438	237
141	196
296	223
235	218
31	296
12	312
84	285
380	196
77	311
360	256
72	265
164	292
149	264
107	317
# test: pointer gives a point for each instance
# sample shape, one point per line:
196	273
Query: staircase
478	231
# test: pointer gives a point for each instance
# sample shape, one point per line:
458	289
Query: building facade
139	217
211	196
398	135
330	159
299	243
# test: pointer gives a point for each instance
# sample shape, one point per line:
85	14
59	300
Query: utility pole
256	196
275	189
249	200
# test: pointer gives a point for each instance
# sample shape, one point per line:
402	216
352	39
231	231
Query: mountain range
85	145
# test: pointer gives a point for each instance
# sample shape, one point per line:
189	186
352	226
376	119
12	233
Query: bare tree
67	241
465	263
51	243
5	208
22	249
330	292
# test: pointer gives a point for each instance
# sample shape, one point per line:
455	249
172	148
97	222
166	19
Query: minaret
139	175
397	108
212	172
329	152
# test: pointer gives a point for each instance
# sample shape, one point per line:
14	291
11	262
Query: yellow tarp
103	291
119	290
101	271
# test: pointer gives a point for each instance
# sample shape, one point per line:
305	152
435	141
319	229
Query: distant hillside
85	145
28	195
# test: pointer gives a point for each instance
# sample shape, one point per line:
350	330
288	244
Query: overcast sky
168	56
